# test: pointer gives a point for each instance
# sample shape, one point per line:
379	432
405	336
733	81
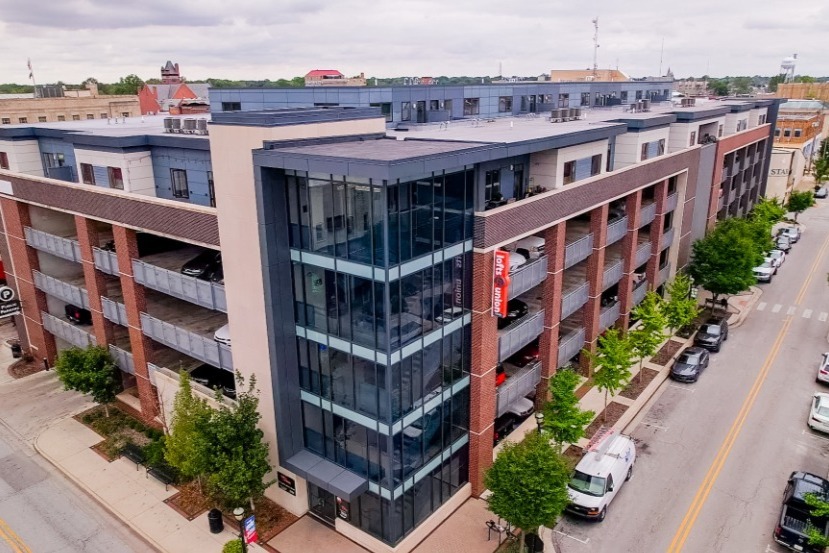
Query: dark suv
712	334
204	265
77	315
515	310
795	517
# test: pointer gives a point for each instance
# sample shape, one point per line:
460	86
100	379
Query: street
41	511
714	456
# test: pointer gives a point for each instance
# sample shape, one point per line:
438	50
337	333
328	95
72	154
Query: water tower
787	68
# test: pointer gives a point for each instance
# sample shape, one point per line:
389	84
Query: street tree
800	202
528	481
768	211
188	445
564	421
650	332
89	371
820	509
680	309
614	357
821	170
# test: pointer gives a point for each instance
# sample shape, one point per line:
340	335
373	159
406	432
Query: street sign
6	293
250	529
9	308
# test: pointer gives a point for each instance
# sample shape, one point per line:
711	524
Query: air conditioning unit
576	113
168	124
189	125
201	126
555	116
176	124
646	105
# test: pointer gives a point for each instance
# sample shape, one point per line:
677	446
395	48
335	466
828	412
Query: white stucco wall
24	156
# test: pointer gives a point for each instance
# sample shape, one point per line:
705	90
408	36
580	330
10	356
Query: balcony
570	345
640	292
66	331
617	230
664	273
643	253
200	292
578	250
526	277
114	311
671	202
60	289
519	334
612	275
65	248
519	385
572	300
647	214
123	359
195	345
105	261
608	316
668	238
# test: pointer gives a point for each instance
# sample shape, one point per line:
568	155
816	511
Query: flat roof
383	149
127	126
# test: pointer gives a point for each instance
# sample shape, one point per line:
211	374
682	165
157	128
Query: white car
792	233
819	414
777	257
516	260
823	369
222	335
764	272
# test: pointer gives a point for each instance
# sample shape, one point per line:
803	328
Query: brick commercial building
358	269
22	111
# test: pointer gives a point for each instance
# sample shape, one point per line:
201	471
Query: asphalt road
714	456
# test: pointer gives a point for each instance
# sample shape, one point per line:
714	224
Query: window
720	131
638	94
211	191
585	98
787	133
666	93
231	106
405	111
644	154
104	116
7	121
762	119
61	118
492	186
471	106
87	174
385	109
693	138
22	120
545	98
126	114
41	119
777	133
76	117
53	160
505	104
624	96
564	100
660	149
4	160
569	172
179	180
116	180
596	164
797	133
90	116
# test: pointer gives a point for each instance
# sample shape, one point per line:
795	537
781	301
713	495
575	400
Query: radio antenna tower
595	46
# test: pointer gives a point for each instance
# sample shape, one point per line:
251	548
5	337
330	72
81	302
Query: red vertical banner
500	283
249	526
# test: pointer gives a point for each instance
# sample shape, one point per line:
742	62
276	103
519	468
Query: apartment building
378	282
22	111
802	126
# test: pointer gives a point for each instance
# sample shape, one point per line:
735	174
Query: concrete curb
756	294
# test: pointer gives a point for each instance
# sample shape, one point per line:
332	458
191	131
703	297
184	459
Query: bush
154	452
233	546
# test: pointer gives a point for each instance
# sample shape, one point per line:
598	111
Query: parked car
777	257
213	378
823	369
783	243
500	375
821	193
77	315
515	310
203	265
521	407
599	476
516	260
526	355
712	334
531	247
690	364
504	425
819	413
795	514
218	275
764	272
222	335
792	233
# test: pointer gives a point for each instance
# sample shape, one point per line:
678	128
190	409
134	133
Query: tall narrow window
569	172
116	179
87	174
405	111
644	154
471	106
661	147
211	191
693	138
4	160
179	181
596	164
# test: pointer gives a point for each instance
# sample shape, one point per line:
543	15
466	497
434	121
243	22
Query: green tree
741	85
563	418
680	309
188	446
768	210
240	454
646	337
723	262
89	371
718	86
614	357
820	508
528	481
800	202
821	170
129	85
776	80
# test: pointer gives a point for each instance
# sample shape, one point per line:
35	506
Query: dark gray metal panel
704	184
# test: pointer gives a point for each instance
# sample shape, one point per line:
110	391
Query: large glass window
563	100
178	177
405	111
505	104
471	106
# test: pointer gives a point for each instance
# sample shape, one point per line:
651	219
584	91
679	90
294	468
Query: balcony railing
114	311
611	275
664	273
671	202
647	214
526	277
574	299
200	292
123	359
617	230
578	250
643	253
569	346
519	335
203	391
519	385
67	331
105	261
195	345
55	245
608	316
668	238
721	202
640	292
63	290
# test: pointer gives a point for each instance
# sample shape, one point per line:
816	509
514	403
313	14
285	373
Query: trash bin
534	543
214	518
17	350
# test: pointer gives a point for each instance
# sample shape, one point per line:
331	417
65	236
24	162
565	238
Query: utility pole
596	47
661	52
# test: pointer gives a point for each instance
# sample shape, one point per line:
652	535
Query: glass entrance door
322	503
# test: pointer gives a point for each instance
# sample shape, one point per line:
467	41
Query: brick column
633	205
554	246
595	274
656	235
484	360
96	285
135	301
25	260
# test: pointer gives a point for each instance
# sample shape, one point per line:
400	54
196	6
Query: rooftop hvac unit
566	114
189	125
576	113
201	126
176	122
646	105
555	116
168	124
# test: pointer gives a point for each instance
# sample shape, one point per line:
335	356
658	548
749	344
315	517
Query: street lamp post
539	420
239	515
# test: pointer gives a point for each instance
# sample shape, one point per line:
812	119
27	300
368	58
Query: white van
531	247
600	474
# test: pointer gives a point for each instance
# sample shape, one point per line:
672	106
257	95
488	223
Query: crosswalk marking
823	316
807	313
762	305
791	310
776	308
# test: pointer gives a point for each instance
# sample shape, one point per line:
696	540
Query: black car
504	425
690	364
712	334
218	275
795	514
213	378
78	315
203	265
515	310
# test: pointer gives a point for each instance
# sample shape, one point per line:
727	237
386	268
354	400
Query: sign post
8	305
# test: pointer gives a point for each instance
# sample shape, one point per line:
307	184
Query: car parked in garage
203	265
77	315
516	309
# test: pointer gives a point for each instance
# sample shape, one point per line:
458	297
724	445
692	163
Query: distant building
16	111
168	96
570	75
801	127
170	73
332	77
804	91
692	87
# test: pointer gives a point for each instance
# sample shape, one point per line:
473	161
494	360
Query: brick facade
633	206
554	246
595	277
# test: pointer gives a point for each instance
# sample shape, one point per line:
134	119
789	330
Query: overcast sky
71	40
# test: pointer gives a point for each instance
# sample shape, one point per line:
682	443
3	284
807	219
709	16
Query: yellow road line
13	539
719	461
818	257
